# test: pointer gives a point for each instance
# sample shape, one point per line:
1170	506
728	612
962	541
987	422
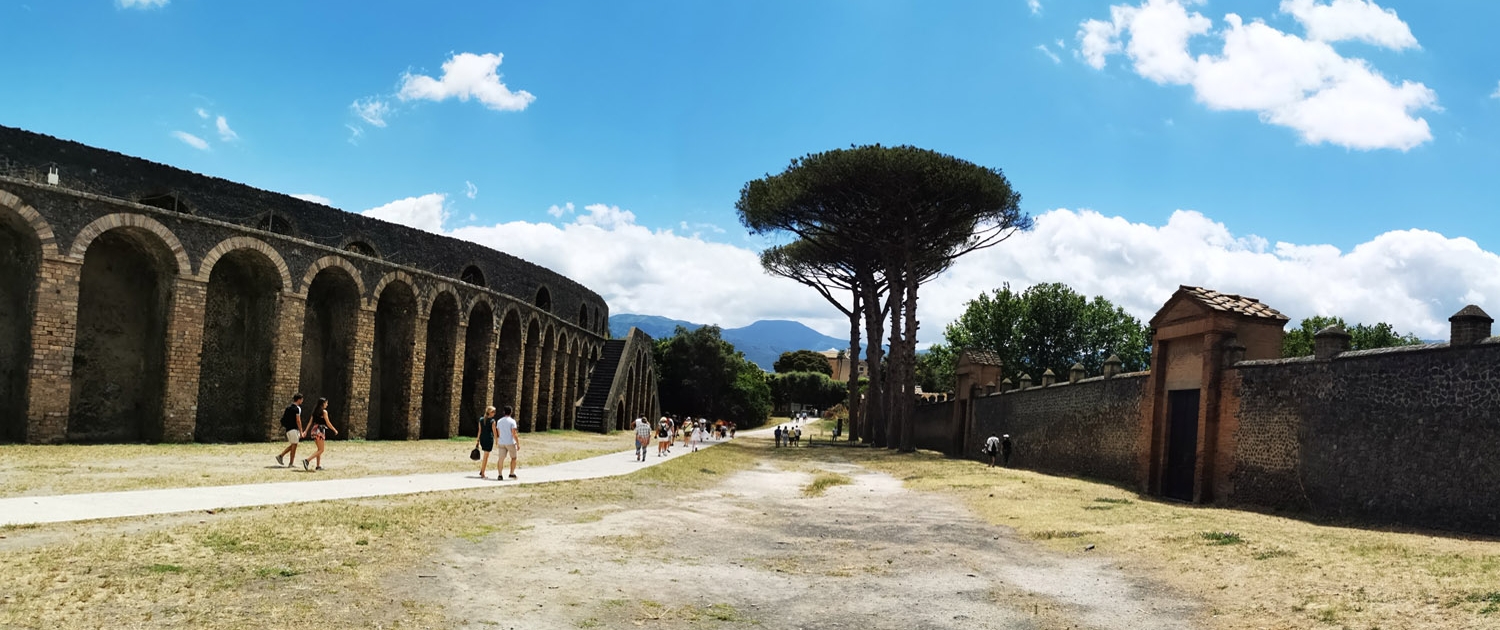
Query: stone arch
569	396
477	339
125	292
332	261
472	274
474	303
360	245
620	421
546	402
24	239
510	357
397	276
583	316
543	299
530	367
206	267
239	339
139	222
437	380
392	365
628	397
329	326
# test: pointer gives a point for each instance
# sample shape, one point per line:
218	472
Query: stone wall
153	290
1088	428
1407	435
938	428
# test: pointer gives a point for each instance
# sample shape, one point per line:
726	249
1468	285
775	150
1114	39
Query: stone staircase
592	412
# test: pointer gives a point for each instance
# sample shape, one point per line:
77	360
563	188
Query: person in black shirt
291	420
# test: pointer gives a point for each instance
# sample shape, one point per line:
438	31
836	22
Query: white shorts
293	436
507	450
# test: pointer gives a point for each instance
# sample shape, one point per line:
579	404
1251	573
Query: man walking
992	448
642	438
291	421
777	433
507	442
1005	448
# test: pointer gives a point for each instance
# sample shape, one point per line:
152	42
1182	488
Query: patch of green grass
1490	599
1098	508
1272	553
1049	534
1222	538
275	572
590	623
222	542
374	525
823	481
723	612
1114	501
165	568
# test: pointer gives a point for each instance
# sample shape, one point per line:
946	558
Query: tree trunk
895	381
852	402
874	416
907	410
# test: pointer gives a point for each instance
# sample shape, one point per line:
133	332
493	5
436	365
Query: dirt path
753	551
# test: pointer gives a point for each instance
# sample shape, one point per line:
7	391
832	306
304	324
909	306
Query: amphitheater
144	303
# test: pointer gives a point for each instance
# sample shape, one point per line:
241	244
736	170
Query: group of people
788	436
317	427
503	434
998	446
694	432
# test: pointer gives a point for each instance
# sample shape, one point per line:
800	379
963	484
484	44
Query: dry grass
31	470
343	563
1253	570
823	481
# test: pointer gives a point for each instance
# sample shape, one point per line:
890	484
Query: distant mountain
762	342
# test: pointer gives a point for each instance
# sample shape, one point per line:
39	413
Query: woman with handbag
485	441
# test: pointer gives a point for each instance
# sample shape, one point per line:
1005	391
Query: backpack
662	432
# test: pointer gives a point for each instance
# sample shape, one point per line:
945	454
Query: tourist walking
992	448
642	438
507	442
663	436
777	433
485	441
318	427
1005	448
291	421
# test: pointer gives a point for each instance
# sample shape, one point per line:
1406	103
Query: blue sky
1327	156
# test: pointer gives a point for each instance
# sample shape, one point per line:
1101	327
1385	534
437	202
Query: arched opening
119	357
328	326
544	391
543	299
437	385
476	367
508	359
620	421
276	223
561	400
569	396
473	275
599	327
580	384
391	367
583	316
239	333
362	248
628	400
166	201
529	368
20	260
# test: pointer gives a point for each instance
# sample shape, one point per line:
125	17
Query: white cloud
558	211
427	213
605	216
143	4
1302	84
202	113
1497	92
313	198
355	133
191	140
465	76
1035	6
372	110
225	133
1345	20
470	190
1050	55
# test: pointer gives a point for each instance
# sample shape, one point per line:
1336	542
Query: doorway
1182	444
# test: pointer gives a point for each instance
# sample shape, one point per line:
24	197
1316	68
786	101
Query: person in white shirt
507	441
992	448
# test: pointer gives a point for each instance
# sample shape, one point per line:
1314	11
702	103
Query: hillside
762	342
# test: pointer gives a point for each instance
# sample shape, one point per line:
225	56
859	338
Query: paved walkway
84	507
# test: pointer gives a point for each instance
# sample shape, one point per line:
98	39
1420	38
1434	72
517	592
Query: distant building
839	361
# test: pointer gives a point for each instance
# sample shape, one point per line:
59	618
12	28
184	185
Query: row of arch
638	398
142	349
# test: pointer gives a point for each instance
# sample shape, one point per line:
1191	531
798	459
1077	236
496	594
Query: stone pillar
1329	342
1048	378
53	333
1234	352
418	376
184	349
1469	326
1025	381
363	356
1075	373
989	388
286	358
1006	385
456	378
1112	366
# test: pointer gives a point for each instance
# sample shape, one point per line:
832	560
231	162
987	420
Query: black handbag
474	454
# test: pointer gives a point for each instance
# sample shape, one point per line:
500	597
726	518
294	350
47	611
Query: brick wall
1089	428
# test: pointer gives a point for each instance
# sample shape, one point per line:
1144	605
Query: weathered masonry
1399	435
140	302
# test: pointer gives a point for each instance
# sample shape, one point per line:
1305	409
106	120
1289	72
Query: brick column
570	390
484	393
359	372
456	378
286	359
53	333
184	348
418	373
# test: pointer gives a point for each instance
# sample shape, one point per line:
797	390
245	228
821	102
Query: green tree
808	388
802	361
903	213
702	375
1049	326
935	369
1298	341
